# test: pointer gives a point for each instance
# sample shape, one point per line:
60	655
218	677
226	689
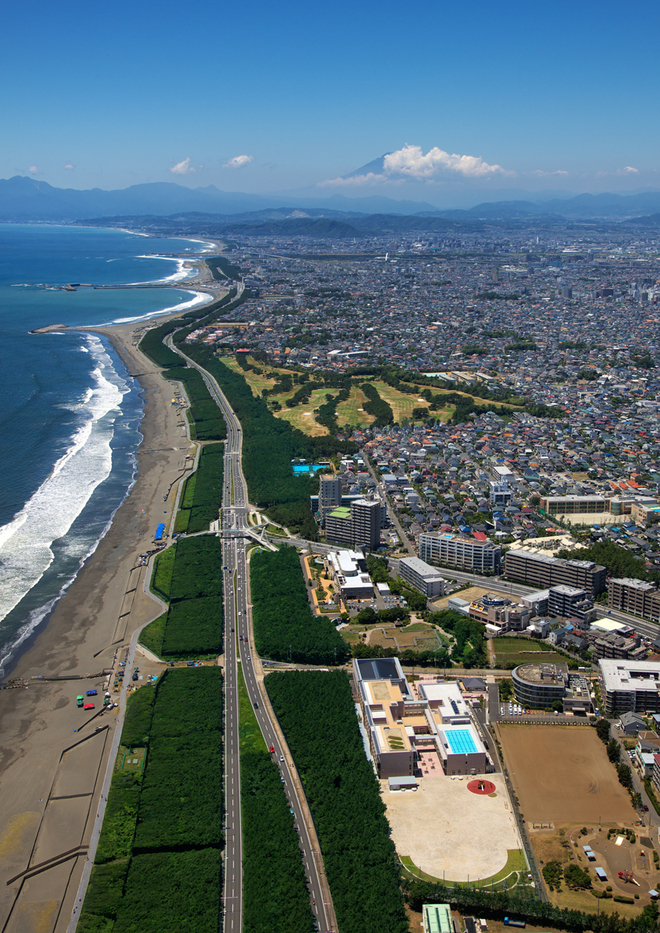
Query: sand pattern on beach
12	837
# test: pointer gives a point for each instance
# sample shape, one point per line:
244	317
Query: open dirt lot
448	831
561	774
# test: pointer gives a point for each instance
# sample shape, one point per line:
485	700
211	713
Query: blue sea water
69	412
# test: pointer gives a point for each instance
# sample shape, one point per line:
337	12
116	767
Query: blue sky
264	97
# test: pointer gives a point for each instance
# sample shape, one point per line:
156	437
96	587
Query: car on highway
281	757
271	749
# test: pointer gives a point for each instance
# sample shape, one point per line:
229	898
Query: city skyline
264	100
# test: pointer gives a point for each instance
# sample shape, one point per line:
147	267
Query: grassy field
249	733
515	871
392	637
401	403
256	383
352	410
302	416
524	651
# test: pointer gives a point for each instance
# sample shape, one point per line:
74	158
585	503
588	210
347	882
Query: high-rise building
329	494
570	602
357	526
365	514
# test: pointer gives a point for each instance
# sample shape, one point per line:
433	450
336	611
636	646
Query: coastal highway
239	650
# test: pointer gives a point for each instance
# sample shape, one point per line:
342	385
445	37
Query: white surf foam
26	541
198	298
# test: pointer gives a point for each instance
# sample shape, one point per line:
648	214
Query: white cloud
355	180
34	170
411	162
182	168
238	161
541	174
628	170
69	167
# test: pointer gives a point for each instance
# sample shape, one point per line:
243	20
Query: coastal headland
52	757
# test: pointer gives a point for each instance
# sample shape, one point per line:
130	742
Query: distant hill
283	222
652	220
580	207
27	199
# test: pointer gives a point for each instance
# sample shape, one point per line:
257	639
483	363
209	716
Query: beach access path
50	796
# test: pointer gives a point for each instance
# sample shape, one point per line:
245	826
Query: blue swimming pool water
461	742
307	467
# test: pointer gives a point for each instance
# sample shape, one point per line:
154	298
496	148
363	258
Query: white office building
422	577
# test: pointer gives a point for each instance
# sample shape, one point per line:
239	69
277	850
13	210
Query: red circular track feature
481	787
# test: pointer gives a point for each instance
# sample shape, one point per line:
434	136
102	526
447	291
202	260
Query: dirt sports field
561	774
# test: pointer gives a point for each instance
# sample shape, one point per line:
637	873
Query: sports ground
561	774
449	833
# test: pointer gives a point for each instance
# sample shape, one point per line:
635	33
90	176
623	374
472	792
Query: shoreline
49	794
123	337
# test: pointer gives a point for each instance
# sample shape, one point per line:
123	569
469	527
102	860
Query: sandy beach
51	761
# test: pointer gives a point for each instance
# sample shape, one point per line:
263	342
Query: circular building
539	685
494	599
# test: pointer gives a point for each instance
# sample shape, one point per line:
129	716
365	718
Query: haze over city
461	100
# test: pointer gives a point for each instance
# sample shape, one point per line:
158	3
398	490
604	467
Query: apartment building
461	553
570	602
422	577
357	526
635	596
544	571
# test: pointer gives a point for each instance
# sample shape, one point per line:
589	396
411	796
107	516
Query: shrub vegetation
284	626
317	715
158	865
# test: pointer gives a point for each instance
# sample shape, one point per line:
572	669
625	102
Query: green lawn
516	864
525	650
249	733
152	635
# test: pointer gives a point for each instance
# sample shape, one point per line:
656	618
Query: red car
271	749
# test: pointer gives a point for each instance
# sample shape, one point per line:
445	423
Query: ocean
70	413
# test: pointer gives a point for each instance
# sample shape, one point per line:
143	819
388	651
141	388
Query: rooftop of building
551	675
620	674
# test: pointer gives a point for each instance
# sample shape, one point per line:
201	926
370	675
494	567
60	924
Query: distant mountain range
25	200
